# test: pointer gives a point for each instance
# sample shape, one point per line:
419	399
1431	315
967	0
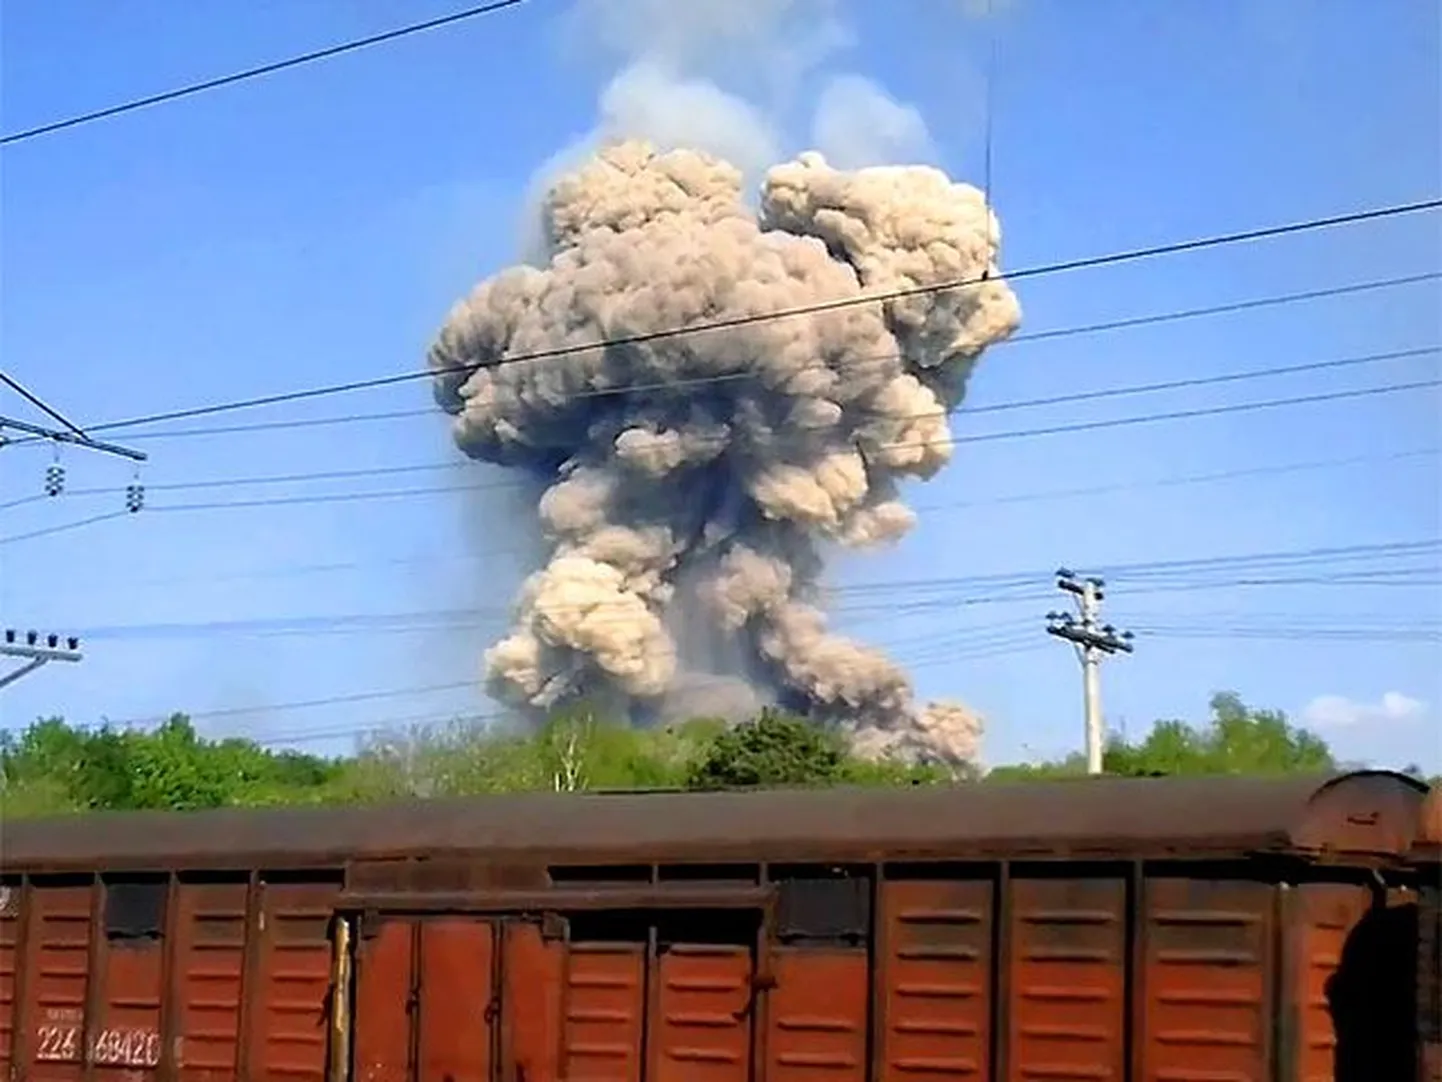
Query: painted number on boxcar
111	1047
126	1048
56	1043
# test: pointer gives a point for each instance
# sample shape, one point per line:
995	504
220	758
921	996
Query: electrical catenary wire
988	437
979	644
272	68
730	323
40	404
892	593
1149	319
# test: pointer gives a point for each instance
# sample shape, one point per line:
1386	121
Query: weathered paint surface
10	894
702	1024
604	986
531	1001
459	1008
58	967
1325	915
288	1021
1068	979
1206	1012
818	1016
384	1002
209	967
936	979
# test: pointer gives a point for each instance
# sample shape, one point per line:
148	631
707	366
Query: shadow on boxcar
1370	998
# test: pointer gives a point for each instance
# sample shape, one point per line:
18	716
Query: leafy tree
1236	740
774	749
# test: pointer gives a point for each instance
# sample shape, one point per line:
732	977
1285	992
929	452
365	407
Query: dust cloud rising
693	481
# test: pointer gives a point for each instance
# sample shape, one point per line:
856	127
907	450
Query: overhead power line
40	404
989	437
995	407
272	68
1155	576
752	319
1148	319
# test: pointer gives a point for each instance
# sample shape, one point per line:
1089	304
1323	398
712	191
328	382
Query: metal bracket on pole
57	435
35	653
1093	641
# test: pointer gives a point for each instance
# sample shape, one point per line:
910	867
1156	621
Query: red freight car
1428	859
1143	929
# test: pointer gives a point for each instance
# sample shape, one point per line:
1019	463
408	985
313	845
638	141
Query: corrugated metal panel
1208	947
605	1003
701	1031
209	969
10	894
818	1013
384	1003
288	1019
1100	816
459	1008
125	1038
936	979
1327	913
58	985
1068	979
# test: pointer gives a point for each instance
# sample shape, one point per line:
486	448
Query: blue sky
315	226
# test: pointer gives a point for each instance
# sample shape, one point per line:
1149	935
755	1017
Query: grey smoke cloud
692	481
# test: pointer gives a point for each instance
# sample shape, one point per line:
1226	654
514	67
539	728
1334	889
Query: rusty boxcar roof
1101	816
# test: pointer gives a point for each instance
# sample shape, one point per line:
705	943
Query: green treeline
54	767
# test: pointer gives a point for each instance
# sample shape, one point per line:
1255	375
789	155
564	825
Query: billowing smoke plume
694	478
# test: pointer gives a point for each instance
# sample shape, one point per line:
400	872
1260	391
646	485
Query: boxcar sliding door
426	1000
628	996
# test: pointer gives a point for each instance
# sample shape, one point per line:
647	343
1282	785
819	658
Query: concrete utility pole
35	652
1093	641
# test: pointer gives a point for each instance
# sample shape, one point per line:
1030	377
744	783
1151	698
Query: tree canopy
56	767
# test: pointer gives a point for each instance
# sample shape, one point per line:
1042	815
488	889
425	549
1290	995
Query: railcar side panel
604	989
208	975
1207	958
818	1015
289	1015
125	1039
57	963
531	1000
936	963
701	999
459	1008
11	891
1067	1014
1325	915
384	1001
